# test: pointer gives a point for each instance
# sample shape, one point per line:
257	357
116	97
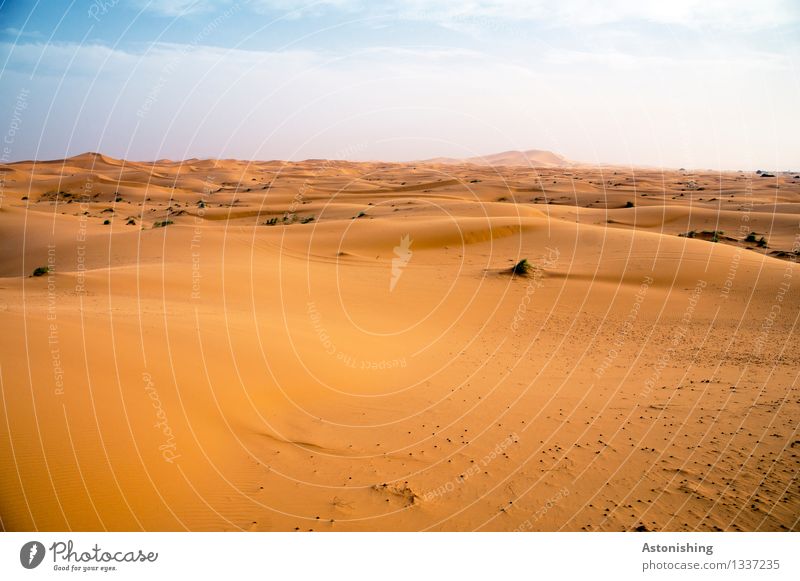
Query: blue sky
687	83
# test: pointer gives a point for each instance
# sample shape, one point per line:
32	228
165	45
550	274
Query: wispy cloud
722	14
96	60
18	33
173	8
615	59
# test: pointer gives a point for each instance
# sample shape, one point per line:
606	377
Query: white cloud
11	31
742	60
98	60
173	8
730	14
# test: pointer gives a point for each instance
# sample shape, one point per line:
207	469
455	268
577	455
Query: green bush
522	268
715	234
41	270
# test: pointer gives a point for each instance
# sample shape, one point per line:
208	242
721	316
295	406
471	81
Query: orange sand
377	367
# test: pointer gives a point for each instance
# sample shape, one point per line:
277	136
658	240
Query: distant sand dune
529	158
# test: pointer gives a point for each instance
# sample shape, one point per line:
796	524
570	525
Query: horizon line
569	164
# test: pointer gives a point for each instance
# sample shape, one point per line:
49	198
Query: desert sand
337	346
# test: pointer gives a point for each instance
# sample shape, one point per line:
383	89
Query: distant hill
531	157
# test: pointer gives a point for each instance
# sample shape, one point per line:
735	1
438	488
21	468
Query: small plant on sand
522	268
131	222
714	235
361	214
689	234
751	237
762	242
307	219
106	222
41	270
162	224
271	222
629	204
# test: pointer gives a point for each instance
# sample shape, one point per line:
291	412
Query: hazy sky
700	83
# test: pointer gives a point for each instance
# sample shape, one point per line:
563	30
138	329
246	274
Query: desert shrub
271	222
751	237
131	222
41	270
713	234
522	268
162	224
762	242
106	222
629	204
307	219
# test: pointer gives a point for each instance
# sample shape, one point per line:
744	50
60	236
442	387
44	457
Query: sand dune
340	346
529	158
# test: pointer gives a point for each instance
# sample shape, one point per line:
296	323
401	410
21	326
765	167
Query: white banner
401	556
